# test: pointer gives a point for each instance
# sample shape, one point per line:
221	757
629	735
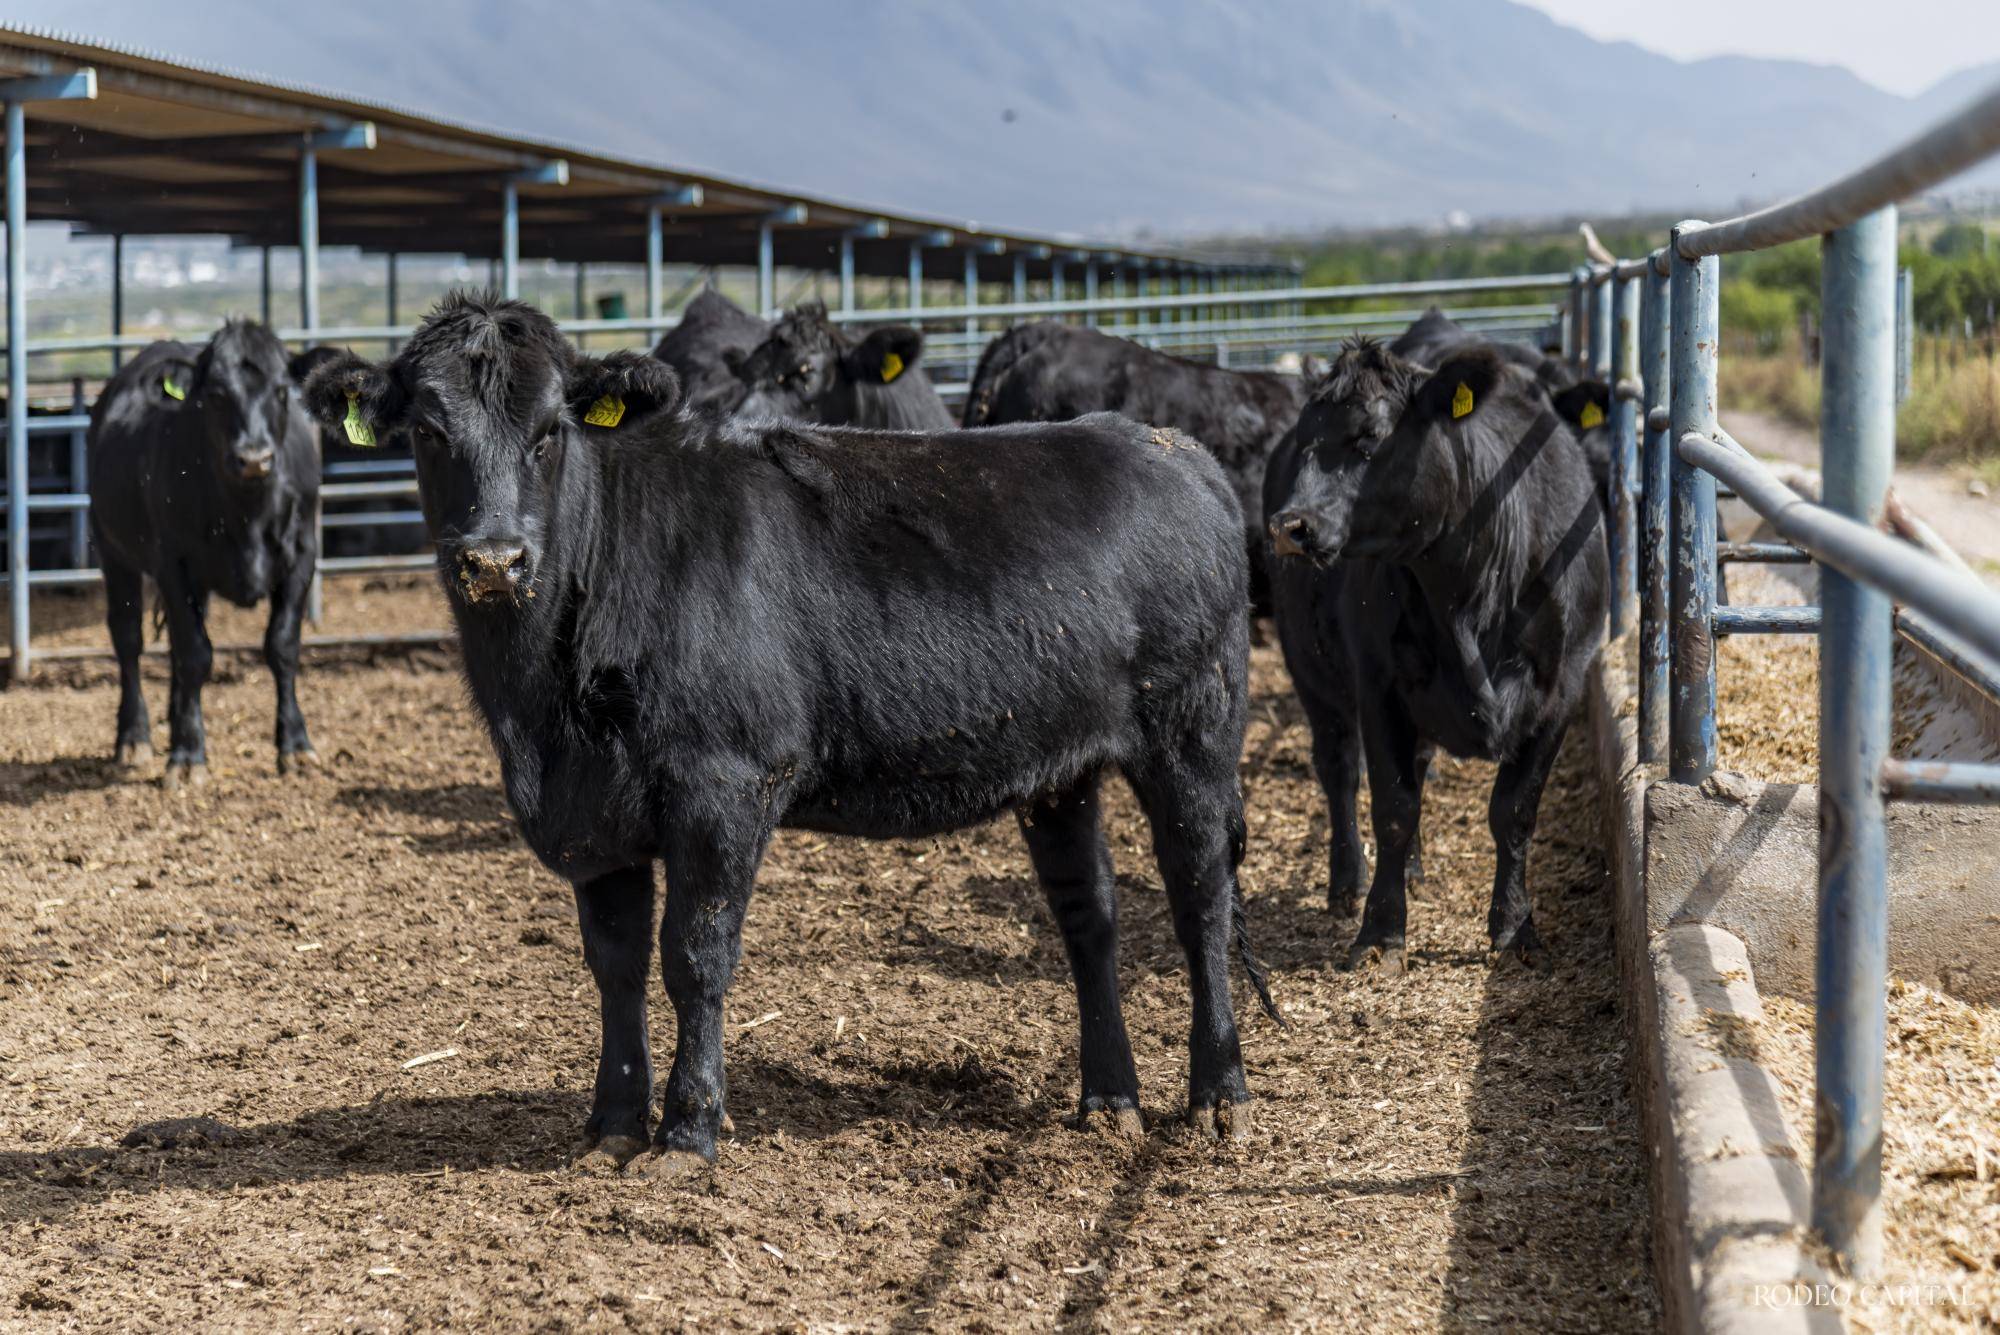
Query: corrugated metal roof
174	147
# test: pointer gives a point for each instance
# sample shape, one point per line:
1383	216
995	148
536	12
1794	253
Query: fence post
1579	317
1691	712
17	392
1905	331
1857	447
309	320
1600	324
1625	393
79	478
1656	481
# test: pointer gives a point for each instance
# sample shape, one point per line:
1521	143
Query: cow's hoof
605	1156
294	762
1342	903
184	774
1523	947
1221	1121
674	1167
133	755
1382	957
1118	1122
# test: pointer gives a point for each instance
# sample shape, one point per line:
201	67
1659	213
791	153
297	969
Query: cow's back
130	424
710	326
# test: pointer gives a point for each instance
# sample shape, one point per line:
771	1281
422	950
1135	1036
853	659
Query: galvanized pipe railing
1193	325
1863	573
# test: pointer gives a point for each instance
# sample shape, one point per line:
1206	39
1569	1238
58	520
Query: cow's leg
1395	792
615	912
711	865
1517	799
1323	676
1066	844
1336	753
1413	866
281	655
187	637
125	614
1196	812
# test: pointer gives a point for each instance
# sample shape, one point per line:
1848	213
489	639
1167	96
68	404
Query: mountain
1172	116
1952	92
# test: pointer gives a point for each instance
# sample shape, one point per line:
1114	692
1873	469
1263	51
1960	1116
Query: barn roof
167	147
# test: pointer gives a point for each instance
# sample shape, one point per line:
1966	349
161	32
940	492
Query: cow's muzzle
1293	534
491	568
252	465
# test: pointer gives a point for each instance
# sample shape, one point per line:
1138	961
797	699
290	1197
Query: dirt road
1971	524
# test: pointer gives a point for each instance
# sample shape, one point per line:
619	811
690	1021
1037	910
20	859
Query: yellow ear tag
1592	416
1461	401
607	411
173	391
892	366
358	430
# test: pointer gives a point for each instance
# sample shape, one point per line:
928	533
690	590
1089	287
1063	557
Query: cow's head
810	371
1584	404
493	401
240	389
1381	457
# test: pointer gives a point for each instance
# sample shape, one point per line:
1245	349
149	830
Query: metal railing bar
372	518
405	639
1736	619
348	491
1957	781
1770	553
1958	603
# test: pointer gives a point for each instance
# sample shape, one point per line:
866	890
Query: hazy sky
1902	45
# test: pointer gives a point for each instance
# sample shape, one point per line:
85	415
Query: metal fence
1653	324
1241	329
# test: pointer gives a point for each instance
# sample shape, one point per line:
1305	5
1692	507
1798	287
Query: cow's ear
302	365
1583	405
355	397
174	378
620	389
733	358
1462	384
885	354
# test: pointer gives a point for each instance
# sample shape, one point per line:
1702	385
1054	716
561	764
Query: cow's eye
805	368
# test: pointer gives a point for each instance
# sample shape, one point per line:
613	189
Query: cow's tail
1240	924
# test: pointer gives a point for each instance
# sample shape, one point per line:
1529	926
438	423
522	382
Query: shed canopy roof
168	148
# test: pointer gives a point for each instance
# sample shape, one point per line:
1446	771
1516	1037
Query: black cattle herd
759	578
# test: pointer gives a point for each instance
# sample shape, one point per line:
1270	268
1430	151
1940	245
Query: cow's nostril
1291	534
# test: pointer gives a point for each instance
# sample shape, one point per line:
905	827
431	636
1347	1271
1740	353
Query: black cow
1434	335
1441	581
711	327
204	473
810	370
1584	403
1050	372
685	634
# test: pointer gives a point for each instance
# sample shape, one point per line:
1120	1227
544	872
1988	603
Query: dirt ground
1940	1153
367	981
